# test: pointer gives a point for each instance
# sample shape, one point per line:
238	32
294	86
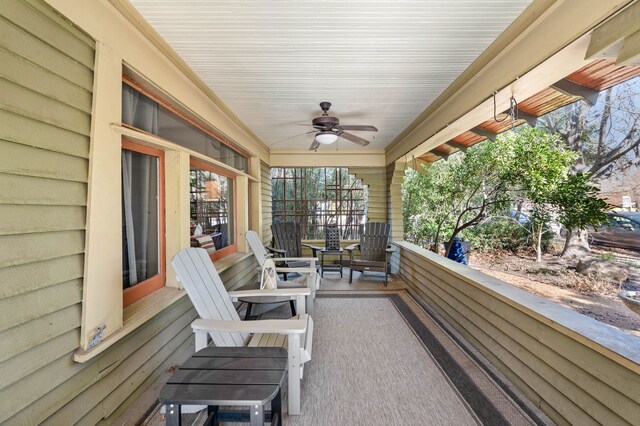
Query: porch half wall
577	370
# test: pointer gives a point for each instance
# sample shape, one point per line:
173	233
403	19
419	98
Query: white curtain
139	196
139	111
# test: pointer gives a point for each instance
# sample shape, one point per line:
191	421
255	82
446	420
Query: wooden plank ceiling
379	62
597	76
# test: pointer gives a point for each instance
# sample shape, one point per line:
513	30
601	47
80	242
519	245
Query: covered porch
85	88
410	368
445	344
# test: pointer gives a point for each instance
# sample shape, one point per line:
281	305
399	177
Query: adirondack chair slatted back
332	238
200	279
287	236
256	247
374	239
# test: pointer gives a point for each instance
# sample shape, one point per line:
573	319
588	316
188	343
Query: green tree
452	196
528	164
606	138
538	166
579	207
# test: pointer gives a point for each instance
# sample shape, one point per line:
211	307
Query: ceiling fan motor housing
325	122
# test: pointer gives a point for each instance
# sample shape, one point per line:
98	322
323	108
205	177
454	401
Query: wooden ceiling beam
572	89
630	51
484	133
544	44
417	162
604	38
457	145
438	153
531	119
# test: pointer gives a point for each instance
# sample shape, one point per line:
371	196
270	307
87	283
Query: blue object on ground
457	251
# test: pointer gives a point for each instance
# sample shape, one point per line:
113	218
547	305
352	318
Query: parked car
631	215
621	230
525	219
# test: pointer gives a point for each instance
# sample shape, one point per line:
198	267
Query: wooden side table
263	300
228	377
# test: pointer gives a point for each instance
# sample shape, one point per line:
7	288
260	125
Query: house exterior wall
265	193
376	181
46	99
576	369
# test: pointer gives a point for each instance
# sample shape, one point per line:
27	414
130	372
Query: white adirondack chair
309	275
219	319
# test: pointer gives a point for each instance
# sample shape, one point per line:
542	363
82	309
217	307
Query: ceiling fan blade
363	128
314	145
354	138
294	136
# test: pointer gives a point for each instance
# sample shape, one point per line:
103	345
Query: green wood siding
569	380
265	192
46	84
376	181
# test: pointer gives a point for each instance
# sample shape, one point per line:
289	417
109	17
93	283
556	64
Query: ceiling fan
328	129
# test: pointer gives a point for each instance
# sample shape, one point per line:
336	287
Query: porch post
395	176
242	212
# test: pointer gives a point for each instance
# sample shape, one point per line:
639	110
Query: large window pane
212	206
144	113
140	218
316	197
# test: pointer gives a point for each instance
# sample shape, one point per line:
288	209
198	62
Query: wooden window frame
148	286
232	248
186	117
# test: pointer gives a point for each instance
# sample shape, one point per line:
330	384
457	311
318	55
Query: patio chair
287	241
309	274
220	321
374	250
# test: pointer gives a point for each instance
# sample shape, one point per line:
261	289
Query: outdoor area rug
380	359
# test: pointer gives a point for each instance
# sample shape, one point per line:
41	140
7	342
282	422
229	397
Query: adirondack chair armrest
351	249
289	326
390	249
279	292
298	270
297	259
313	248
274	251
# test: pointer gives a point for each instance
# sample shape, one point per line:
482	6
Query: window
212	207
143	249
127	274
144	113
316	197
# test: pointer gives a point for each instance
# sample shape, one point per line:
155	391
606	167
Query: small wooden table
228	376
260	300
331	266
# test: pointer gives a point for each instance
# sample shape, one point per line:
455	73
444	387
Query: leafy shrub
504	234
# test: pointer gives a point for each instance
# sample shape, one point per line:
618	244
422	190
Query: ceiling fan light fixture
326	138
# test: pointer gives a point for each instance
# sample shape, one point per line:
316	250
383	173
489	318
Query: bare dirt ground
557	280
